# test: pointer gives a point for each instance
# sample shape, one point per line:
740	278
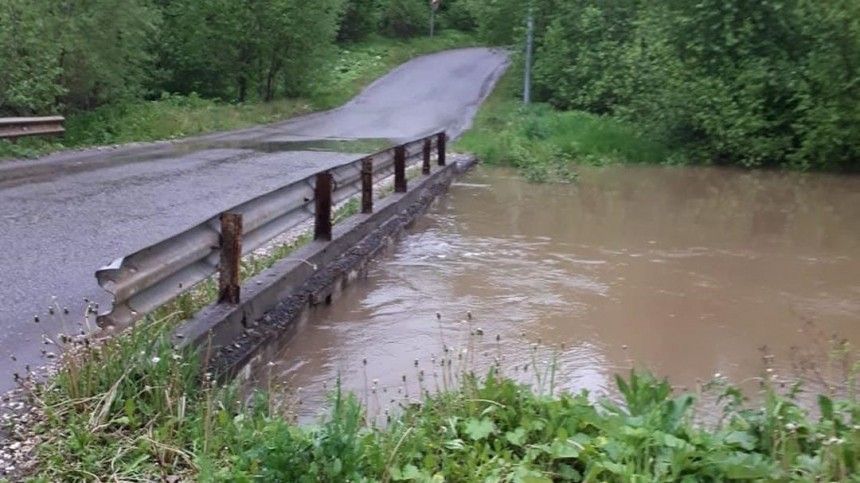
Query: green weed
134	408
546	144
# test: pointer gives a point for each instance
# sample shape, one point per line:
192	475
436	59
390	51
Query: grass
175	116
135	409
546	144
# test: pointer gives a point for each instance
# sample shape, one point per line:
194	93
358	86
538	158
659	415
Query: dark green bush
405	18
457	14
360	19
771	83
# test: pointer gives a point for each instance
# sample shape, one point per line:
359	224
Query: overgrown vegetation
78	55
174	116
756	84
133	408
766	83
143	70
545	144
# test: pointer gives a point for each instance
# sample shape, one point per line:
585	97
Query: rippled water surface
686	271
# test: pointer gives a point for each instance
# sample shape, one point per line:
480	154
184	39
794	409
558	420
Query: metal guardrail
16	127
157	274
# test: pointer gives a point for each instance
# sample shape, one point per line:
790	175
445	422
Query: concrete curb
276	302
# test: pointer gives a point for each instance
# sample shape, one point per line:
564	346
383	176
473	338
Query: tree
360	19
106	49
405	18
29	59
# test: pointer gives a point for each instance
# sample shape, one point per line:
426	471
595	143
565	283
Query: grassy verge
545	144
134	409
173	116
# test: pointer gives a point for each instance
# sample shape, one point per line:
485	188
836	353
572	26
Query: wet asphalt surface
67	214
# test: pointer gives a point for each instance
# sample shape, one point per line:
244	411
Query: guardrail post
231	253
367	185
322	197
440	145
400	169
425	168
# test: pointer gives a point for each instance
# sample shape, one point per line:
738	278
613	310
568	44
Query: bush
134	408
545	143
457	14
360	19
405	18
29	60
80	56
733	82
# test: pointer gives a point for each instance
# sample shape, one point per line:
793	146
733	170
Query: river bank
135	408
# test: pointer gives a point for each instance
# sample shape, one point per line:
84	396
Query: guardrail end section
106	277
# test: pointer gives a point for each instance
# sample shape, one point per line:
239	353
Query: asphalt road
67	214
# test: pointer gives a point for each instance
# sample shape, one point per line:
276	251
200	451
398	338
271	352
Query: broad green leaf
516	437
742	439
479	429
564	449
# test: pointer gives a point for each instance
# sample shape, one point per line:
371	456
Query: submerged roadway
67	214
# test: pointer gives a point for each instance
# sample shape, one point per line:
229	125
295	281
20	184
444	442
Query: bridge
70	213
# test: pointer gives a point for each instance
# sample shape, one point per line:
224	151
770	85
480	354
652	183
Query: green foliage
770	83
107	49
498	21
29	59
545	144
173	116
457	14
247	49
360	20
133	408
405	18
74	55
77	56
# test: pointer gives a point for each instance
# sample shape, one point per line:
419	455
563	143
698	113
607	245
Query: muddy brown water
686	271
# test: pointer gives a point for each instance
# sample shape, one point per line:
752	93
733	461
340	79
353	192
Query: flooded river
686	271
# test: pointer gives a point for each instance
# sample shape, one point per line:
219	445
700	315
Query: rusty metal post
367	185
400	169
231	253
425	168
440	145
322	197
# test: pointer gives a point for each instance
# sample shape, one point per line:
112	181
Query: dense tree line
751	82
68	55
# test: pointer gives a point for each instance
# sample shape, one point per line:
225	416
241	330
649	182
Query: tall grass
133	408
546	144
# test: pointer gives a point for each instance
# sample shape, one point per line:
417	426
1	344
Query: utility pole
527	81
434	5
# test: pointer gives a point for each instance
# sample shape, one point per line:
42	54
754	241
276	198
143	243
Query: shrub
360	19
405	18
458	14
732	82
